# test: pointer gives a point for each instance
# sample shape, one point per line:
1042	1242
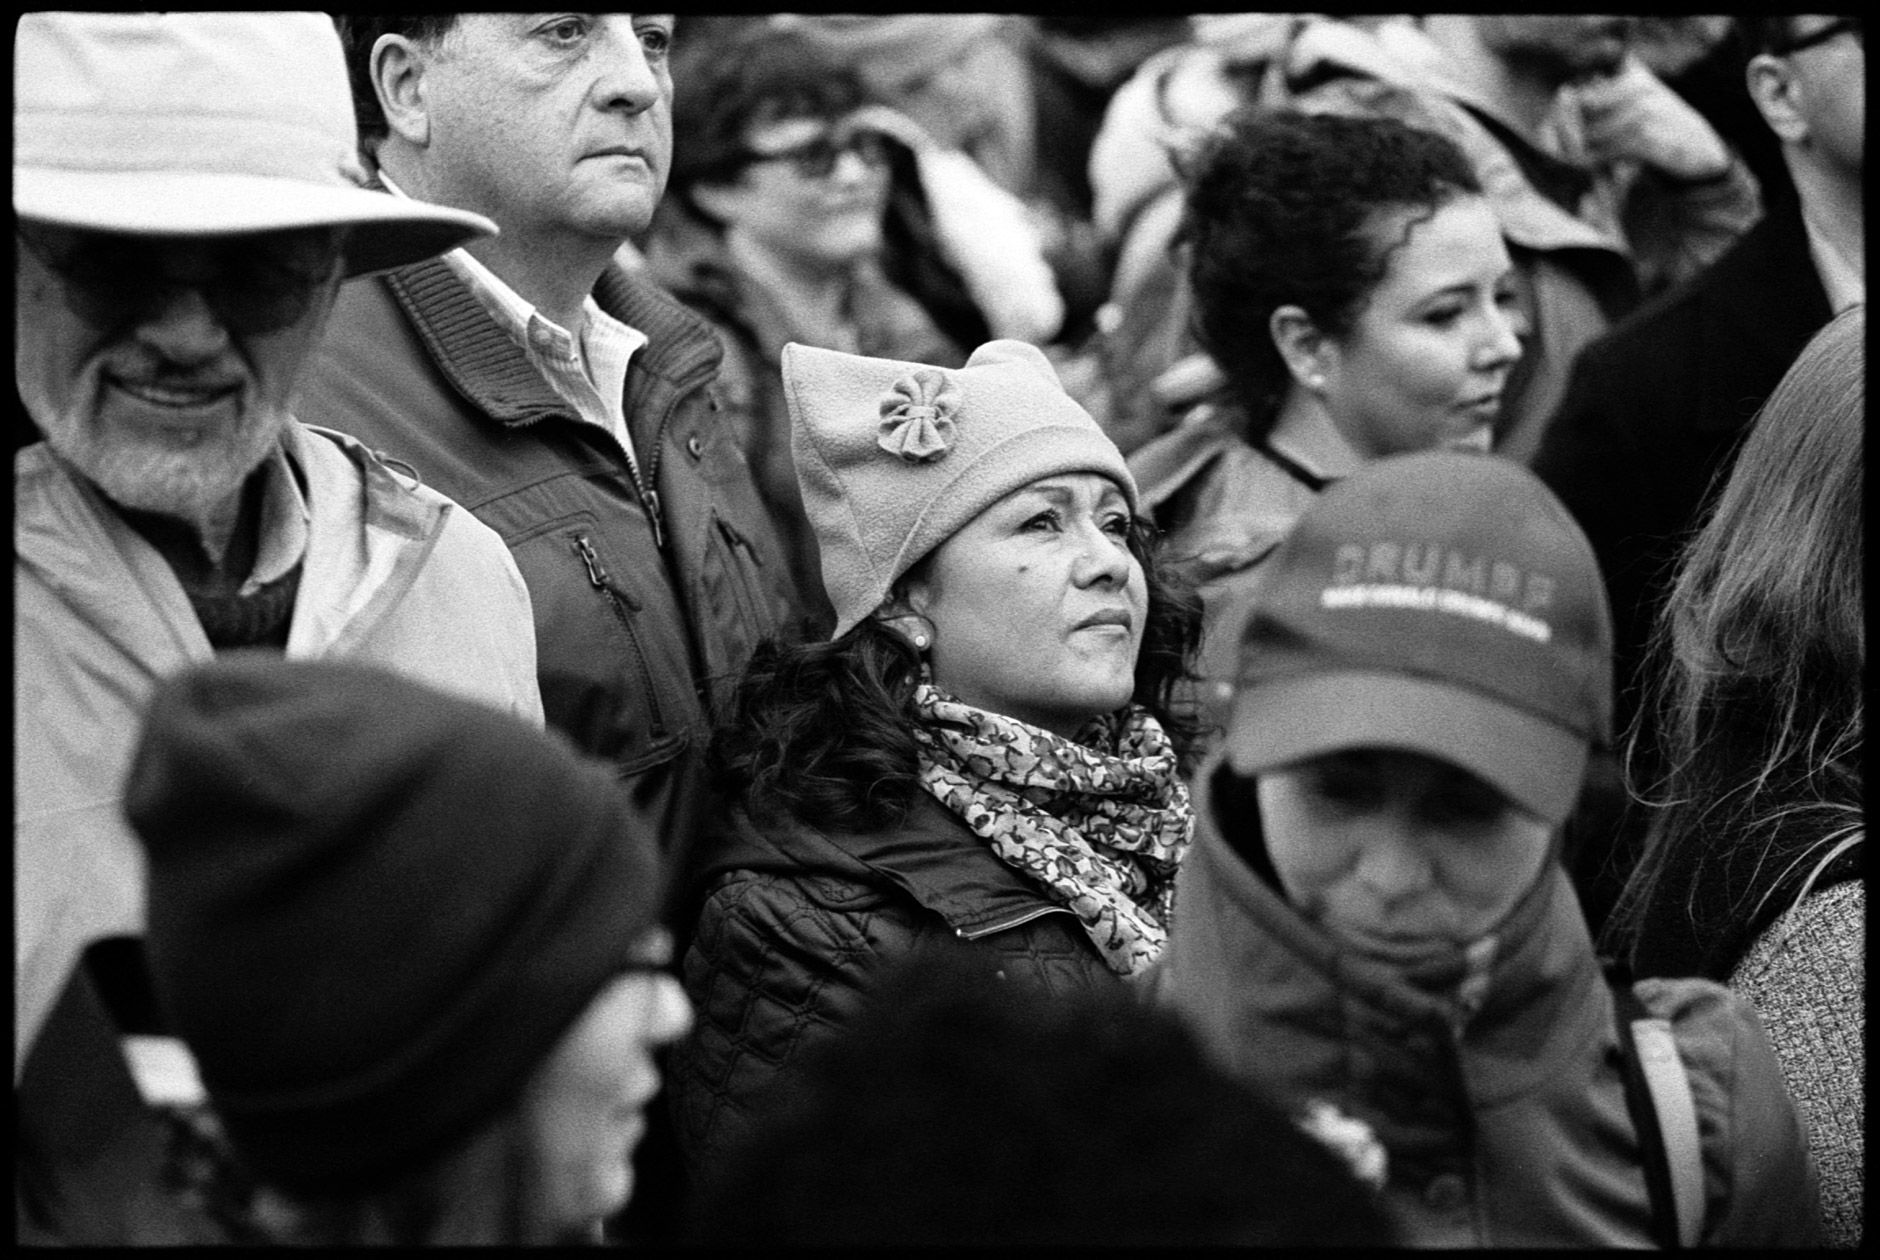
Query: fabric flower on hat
917	416
961	439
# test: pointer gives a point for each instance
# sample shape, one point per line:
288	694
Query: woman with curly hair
982	757
1752	871
1350	281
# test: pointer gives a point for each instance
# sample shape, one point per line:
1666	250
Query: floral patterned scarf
1101	822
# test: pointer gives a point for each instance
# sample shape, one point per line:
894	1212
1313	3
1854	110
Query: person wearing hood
1375	916
982	757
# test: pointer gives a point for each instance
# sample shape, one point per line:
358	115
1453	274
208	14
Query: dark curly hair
1279	209
740	72
357	33
824	731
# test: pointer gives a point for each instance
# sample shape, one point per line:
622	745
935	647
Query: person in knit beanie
412	947
983	752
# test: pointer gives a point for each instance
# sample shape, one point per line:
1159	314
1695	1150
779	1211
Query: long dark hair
1757	687
825	731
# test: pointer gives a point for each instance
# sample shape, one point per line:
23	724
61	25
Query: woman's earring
912	627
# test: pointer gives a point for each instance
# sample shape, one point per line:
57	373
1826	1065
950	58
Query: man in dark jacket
565	402
1656	409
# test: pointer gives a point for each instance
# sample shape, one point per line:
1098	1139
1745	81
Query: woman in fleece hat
1375	916
412	948
983	755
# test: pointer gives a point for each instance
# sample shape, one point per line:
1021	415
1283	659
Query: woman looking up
1350	282
983	755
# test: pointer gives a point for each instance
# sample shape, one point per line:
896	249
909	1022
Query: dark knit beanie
373	908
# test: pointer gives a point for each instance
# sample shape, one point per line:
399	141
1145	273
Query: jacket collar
369	535
931	856
491	370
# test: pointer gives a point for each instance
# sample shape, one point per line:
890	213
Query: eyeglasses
255	283
1821	35
816	159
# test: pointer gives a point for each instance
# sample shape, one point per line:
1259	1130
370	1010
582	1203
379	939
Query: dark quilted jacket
798	924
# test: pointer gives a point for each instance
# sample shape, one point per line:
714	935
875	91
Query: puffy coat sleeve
777	964
1759	1178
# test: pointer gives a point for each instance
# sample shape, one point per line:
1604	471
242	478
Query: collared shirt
1845	283
590	374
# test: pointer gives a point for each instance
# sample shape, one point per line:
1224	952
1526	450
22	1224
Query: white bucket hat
200	124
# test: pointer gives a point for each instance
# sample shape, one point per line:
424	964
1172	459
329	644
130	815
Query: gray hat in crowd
1439	602
200	124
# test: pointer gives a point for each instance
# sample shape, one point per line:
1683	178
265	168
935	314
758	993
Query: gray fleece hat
894	457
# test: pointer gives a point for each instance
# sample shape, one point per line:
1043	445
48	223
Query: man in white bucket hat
188	199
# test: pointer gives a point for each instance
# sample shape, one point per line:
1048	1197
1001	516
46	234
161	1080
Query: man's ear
1301	345
397	71
1772	87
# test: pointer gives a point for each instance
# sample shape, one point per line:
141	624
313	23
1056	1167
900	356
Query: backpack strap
1658	1096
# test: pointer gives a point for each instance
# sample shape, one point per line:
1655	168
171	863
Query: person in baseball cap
1375	914
412	943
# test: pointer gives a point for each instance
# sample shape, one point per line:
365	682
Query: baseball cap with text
1443	603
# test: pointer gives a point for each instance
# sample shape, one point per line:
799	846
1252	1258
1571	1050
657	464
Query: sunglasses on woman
255	283
817	158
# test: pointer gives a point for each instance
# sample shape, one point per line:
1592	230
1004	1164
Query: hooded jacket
393	573
799	924
1504	1113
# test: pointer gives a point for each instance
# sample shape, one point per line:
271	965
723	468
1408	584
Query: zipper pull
585	549
651	498
597	573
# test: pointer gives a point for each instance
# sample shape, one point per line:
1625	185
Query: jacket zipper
1021	920
615	597
648	495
